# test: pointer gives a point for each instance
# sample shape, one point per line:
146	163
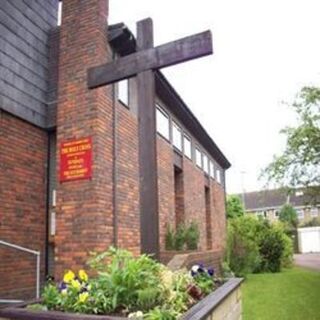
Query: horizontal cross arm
168	54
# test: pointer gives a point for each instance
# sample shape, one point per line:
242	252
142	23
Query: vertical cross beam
147	147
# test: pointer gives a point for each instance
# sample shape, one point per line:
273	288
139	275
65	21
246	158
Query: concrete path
308	260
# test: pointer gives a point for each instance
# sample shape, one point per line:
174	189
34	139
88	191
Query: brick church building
71	173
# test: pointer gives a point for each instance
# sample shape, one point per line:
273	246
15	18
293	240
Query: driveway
308	260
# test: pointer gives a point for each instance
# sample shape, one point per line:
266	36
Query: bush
192	236
255	245
185	237
242	245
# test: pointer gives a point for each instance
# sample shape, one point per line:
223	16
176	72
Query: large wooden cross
142	64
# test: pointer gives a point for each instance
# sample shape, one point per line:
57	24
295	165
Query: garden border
199	311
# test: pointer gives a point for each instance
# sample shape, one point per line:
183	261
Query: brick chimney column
84	212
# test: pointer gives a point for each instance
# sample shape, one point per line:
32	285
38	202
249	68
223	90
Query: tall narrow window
187	146
198	158
176	136
178	196
205	163
59	18
211	169
218	176
123	92
162	123
208	218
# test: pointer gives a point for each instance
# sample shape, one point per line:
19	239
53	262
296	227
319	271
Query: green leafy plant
137	287
180	237
185	237
255	245
170	238
192	236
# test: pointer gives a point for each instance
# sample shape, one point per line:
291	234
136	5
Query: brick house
268	203
45	104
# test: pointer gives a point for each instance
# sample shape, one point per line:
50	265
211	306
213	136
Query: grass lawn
292	294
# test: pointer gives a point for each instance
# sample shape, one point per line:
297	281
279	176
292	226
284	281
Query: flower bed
128	287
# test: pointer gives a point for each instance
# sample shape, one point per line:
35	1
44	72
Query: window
218	174
176	136
314	212
205	164
123	92
187	146
211	169
162	123
300	214
198	158
59	18
276	213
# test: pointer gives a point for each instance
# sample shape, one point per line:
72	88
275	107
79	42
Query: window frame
166	115
121	90
179	129
211	167
205	164
197	149
186	137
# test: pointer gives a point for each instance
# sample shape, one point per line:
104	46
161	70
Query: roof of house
259	200
123	42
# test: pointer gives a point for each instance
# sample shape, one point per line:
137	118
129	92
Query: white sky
265	51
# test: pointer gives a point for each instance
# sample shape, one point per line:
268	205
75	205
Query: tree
288	215
299	165
234	207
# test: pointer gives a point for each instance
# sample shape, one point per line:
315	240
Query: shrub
192	236
255	245
242	245
185	237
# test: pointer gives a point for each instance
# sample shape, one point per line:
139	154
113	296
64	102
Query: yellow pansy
83	296
76	284
68	276
83	275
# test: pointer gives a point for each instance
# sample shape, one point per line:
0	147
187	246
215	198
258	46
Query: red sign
76	159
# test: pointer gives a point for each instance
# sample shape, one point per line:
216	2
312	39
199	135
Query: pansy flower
68	276
211	272
83	297
63	288
83	275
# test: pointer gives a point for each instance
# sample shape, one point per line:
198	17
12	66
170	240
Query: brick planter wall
224	303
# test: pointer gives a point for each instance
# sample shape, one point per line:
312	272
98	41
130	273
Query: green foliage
170	238
255	245
137	287
314	222
289	216
185	237
180	237
192	236
204	282
271	250
300	162
234	207
132	283
242	245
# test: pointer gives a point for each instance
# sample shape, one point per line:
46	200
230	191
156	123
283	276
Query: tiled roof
277	198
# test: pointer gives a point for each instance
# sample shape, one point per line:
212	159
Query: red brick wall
194	199
218	216
23	152
195	206
165	188
84	210
128	210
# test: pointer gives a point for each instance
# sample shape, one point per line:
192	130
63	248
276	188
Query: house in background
268	203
